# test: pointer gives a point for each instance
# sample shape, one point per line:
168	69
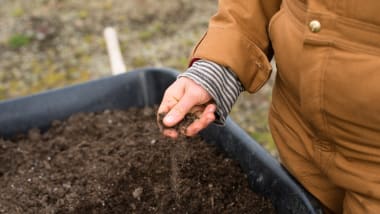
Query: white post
114	53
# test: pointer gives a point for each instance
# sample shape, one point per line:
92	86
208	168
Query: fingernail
169	119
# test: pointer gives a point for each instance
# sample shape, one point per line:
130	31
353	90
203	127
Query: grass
18	40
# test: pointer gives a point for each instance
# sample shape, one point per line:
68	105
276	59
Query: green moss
18	12
83	14
18	41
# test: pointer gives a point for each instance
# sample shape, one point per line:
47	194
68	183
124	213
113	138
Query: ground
48	44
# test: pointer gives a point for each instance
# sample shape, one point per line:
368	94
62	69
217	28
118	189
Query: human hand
182	97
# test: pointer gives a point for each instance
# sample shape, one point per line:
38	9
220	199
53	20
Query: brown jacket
325	110
238	36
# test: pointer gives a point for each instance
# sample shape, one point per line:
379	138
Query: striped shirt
220	82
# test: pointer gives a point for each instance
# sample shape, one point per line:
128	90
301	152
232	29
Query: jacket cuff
231	49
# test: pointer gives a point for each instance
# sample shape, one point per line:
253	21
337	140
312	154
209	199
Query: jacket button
315	26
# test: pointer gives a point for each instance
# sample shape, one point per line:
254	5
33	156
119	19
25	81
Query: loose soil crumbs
179	127
118	162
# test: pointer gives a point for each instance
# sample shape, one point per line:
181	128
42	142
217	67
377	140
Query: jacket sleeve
237	38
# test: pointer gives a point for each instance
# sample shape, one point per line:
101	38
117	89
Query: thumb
178	112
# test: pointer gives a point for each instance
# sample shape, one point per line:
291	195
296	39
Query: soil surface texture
118	162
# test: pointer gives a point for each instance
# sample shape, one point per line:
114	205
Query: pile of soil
118	162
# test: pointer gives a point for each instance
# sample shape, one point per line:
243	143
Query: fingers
179	110
170	133
182	97
164	108
207	117
171	97
168	102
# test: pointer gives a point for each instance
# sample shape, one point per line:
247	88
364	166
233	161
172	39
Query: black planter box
145	87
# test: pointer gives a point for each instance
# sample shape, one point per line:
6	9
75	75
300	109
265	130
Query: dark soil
179	127
118	162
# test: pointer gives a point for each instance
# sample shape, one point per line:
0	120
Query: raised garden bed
136	89
118	162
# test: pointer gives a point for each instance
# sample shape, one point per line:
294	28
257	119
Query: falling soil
118	162
179	127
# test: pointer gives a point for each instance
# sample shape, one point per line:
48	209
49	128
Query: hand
182	97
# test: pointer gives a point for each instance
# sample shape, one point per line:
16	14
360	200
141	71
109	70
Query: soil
118	162
179	127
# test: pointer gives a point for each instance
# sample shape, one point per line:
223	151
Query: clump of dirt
179	127
118	162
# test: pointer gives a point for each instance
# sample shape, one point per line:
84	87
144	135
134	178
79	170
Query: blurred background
47	44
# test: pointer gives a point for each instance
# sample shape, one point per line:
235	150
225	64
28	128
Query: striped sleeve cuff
222	84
